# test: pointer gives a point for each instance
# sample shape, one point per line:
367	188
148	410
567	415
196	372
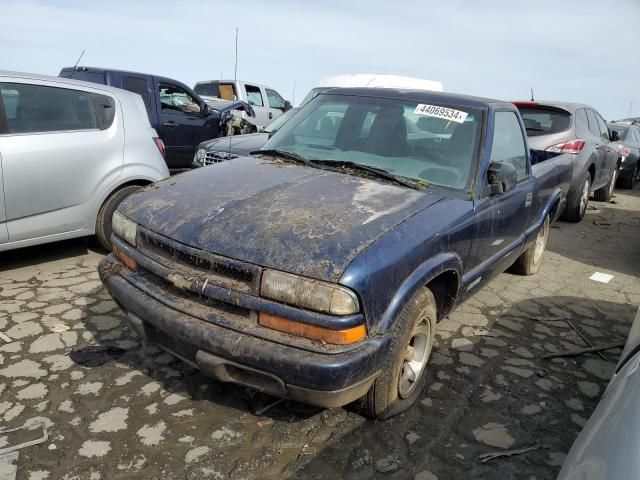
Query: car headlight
198	159
124	228
307	293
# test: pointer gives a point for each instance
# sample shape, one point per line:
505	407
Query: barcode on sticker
441	112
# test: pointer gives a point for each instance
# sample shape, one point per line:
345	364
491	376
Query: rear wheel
605	193
401	379
529	262
576	207
103	221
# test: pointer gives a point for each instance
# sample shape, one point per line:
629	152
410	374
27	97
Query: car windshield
313	93
436	144
273	126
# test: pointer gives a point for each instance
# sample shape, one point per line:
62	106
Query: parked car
226	148
607	447
267	103
317	268
627	145
581	131
67	160
178	114
372	80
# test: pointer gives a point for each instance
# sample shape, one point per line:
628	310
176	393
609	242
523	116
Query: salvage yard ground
110	414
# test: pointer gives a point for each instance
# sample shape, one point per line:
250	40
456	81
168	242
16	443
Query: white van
372	80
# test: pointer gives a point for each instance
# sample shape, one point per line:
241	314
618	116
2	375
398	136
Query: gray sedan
226	148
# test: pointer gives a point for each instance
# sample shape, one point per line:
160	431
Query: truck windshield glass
437	145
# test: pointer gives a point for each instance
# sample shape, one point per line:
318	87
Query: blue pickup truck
182	119
316	269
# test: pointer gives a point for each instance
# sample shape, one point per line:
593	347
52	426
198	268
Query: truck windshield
436	144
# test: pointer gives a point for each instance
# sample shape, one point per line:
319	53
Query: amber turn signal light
313	332
124	258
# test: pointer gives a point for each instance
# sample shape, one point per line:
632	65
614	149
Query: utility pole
235	69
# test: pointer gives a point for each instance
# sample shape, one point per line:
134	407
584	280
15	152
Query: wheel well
445	289
592	172
554	209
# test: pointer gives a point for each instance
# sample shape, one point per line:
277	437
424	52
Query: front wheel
529	262
605	193
401	379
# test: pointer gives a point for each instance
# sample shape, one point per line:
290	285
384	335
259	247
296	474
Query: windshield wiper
287	155
378	172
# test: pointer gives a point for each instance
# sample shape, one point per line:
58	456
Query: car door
609	154
4	237
55	154
183	123
502	219
600	177
276	103
256	99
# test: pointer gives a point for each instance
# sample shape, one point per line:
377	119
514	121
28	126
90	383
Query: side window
275	100
105	108
636	135
508	143
602	125
139	86
176	99
593	123
254	96
39	109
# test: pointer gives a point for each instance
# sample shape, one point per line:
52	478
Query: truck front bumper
331	379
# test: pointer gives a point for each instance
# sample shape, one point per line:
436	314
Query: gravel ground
135	412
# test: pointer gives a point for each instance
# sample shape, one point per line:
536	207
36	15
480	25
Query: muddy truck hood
280	215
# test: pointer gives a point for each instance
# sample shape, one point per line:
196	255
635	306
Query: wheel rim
541	242
613	182
584	198
415	360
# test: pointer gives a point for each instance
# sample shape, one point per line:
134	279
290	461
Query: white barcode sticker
441	112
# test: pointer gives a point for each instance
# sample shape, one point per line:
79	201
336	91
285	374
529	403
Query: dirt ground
131	411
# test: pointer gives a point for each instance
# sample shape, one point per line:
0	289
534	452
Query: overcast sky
584	51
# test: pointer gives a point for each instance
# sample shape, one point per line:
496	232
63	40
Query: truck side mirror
501	177
287	105
614	136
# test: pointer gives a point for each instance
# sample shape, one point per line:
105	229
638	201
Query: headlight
199	157
312	294
124	228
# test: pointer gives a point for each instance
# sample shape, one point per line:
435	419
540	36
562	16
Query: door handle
270	115
170	124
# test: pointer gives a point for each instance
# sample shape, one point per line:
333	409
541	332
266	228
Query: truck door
276	103
256	99
502	219
183	123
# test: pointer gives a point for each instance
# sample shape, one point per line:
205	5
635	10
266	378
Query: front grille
215	269
216	157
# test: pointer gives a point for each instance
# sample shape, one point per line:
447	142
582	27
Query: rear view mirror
502	177
614	136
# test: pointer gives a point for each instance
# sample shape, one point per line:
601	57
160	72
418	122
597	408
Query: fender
536	223
422	275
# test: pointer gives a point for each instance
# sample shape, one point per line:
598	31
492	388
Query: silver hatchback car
70	152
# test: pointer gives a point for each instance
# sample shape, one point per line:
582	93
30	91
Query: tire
396	389
529	262
605	193
103	221
576	207
628	182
